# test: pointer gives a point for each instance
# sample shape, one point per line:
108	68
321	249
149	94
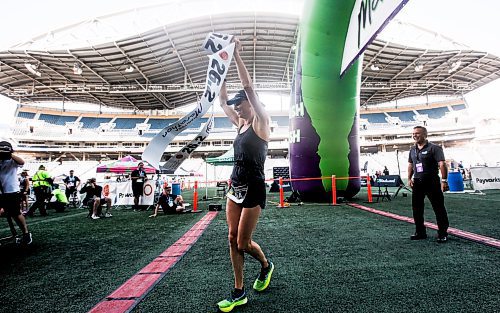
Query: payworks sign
484	178
368	18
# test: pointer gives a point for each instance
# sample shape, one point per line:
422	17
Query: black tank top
250	153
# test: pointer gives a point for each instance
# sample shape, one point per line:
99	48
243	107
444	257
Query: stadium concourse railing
281	181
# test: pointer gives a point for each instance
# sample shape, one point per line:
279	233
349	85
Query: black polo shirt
140	177
429	156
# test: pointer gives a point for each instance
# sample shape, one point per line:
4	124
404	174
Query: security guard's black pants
42	193
430	187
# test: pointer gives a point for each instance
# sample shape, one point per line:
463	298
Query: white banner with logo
175	161
218	65
368	18
121	193
484	178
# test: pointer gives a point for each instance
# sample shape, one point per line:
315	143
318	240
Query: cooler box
176	189
455	181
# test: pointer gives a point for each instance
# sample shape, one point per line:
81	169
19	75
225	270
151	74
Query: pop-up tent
125	165
225	159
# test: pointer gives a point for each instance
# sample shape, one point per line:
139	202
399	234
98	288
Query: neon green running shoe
227	305
262	282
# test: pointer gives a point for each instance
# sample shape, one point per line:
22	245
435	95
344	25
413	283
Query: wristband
444	180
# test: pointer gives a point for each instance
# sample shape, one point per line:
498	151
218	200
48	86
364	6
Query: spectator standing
424	162
10	195
72	183
24	187
386	170
42	184
138	177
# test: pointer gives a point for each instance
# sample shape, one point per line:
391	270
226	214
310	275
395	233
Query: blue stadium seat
93	122
406	116
160	123
222	122
57	119
197	124
434	113
127	123
26	115
374	117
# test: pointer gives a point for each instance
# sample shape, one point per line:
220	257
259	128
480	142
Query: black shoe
27	239
418	236
442	239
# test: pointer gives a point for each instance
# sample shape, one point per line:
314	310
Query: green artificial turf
328	259
477	213
335	260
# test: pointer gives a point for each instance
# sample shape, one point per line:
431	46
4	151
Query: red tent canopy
125	165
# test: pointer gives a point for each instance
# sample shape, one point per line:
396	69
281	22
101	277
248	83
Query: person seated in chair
61	201
169	203
94	199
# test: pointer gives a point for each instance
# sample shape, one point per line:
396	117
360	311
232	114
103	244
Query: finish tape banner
484	178
218	65
121	193
175	161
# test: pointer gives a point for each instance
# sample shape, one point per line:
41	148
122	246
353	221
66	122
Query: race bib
237	194
139	180
71	184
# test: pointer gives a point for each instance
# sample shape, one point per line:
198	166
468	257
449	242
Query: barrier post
369	188
195	196
282	195
334	190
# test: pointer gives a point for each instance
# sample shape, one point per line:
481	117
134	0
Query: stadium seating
434	113
127	123
160	123
57	119
375	118
222	122
93	122
26	115
406	116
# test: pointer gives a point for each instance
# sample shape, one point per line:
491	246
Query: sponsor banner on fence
121	193
218	65
485	178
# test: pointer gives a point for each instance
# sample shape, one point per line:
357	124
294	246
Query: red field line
128	295
452	231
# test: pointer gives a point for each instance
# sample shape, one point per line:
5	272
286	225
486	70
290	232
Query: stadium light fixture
129	69
77	69
454	66
33	68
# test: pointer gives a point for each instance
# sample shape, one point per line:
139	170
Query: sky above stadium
473	23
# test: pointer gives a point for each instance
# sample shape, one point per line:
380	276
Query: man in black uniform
72	182
424	161
138	177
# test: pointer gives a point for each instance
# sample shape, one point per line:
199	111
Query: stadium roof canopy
151	58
